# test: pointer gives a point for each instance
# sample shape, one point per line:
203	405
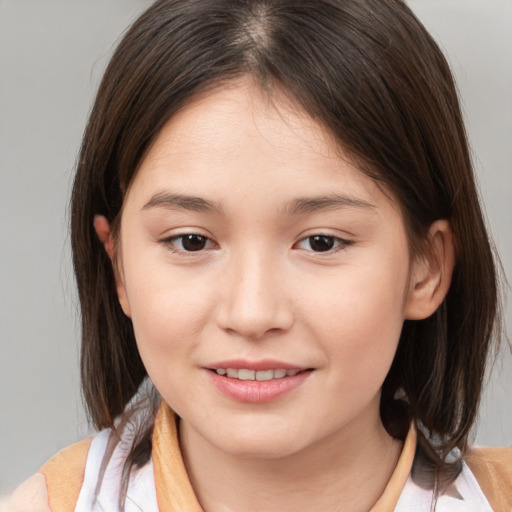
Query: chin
263	442
265	449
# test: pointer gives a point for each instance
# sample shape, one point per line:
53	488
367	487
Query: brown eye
191	242
321	243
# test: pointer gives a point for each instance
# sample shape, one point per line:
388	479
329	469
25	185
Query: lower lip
256	391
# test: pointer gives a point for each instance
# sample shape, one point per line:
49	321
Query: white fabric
465	496
103	473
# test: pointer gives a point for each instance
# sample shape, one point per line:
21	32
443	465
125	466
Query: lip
254	391
263	364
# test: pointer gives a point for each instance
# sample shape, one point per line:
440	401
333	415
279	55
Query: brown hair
370	73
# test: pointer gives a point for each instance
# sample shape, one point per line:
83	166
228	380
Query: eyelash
338	243
170	242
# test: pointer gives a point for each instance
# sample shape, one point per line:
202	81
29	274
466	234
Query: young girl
288	293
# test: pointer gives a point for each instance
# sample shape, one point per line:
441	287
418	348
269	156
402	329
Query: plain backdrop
52	55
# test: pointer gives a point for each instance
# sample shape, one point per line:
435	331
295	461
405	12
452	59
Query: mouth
259	375
257	381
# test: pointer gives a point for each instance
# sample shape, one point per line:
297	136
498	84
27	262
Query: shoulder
30	496
492	467
497	461
57	484
64	475
68	462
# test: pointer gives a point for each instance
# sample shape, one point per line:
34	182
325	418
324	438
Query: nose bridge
255	300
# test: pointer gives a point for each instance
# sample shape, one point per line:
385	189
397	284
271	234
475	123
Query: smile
261	382
260	375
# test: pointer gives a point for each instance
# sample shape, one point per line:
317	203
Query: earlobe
102	228
431	275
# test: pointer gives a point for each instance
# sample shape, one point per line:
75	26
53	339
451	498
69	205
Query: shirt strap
492	467
64	474
389	498
173	488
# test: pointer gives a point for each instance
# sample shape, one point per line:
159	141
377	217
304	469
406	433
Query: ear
431	274
102	228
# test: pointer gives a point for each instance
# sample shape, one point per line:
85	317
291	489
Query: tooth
246	374
265	375
260	375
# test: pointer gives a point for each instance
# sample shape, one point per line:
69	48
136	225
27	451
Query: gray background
52	54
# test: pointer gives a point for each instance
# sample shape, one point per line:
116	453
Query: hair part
370	74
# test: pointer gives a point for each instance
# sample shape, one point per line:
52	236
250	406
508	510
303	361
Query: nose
255	300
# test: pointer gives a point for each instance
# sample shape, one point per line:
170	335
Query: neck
351	467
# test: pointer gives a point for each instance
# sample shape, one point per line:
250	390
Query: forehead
239	140
226	119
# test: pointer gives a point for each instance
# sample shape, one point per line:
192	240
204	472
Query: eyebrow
297	206
320	203
182	202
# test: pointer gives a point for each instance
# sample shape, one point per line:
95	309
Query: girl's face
250	250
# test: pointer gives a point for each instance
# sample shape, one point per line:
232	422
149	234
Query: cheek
167	332
169	310
360	318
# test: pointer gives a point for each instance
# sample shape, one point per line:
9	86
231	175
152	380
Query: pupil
321	243
193	242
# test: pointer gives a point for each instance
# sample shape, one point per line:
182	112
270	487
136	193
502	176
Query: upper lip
263	364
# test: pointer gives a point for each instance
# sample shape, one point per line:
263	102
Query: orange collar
174	490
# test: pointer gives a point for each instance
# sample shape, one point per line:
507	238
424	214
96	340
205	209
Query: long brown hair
369	72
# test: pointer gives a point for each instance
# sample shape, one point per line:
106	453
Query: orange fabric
389	498
492	468
64	475
173	488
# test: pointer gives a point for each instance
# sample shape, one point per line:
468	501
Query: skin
31	496
258	289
